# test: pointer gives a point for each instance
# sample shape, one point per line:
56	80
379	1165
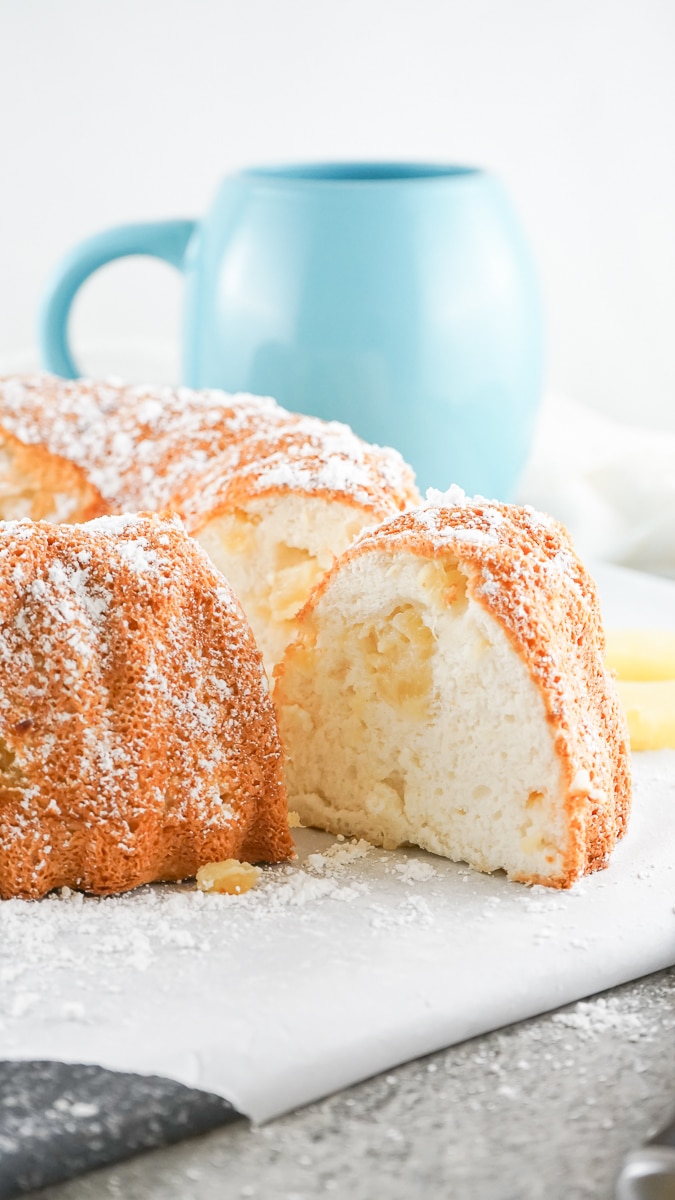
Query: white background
116	110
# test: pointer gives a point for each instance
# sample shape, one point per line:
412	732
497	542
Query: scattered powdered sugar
414	870
455	495
481	526
540	520
303	454
321	878
121	523
475	537
91	936
414	910
603	1014
299	889
109	429
137	555
341	854
96	936
109	976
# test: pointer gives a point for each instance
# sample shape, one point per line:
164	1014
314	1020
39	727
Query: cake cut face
138	740
275	520
274	551
272	496
447	690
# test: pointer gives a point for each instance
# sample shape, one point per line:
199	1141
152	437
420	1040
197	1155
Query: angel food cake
273	497
447	689
137	737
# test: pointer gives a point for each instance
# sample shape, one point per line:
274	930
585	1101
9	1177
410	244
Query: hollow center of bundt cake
272	552
409	717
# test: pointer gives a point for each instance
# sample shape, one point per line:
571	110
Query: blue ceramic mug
400	298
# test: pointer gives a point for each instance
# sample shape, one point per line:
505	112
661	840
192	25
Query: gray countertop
546	1108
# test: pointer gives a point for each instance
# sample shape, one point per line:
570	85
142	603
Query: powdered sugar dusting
415	871
143	927
455	495
122	436
591	1018
152	448
303	454
133	708
259	995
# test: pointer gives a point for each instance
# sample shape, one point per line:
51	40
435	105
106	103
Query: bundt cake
135	446
300	492
137	736
447	688
273	497
42	486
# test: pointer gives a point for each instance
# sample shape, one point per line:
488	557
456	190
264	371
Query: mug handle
167	240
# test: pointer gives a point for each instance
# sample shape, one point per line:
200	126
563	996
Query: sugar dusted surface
137	737
154	448
246	996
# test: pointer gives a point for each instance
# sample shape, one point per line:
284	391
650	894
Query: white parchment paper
344	964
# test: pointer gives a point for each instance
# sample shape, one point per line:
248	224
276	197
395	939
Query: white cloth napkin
612	484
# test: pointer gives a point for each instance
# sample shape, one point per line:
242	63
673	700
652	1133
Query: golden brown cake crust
137	736
522	568
40	485
198	452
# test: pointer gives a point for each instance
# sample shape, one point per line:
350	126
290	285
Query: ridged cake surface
271	495
137	736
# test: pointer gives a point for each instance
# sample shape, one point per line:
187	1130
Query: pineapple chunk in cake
447	689
273	552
